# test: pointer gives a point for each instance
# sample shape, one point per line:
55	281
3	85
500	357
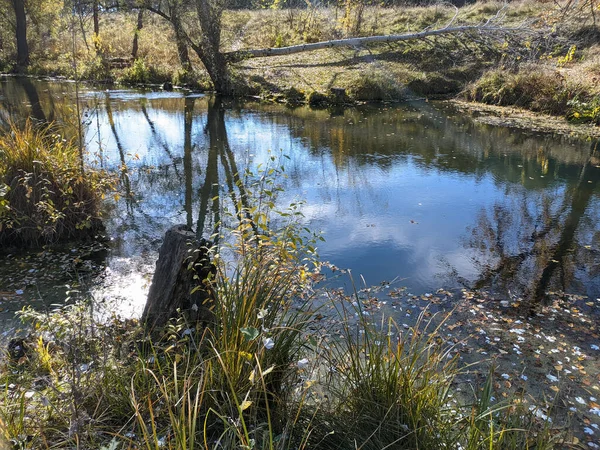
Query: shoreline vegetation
271	376
554	72
46	194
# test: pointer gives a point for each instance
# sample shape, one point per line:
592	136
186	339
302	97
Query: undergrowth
46	194
262	374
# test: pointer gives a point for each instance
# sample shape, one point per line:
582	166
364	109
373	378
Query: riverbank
557	76
282	374
378	180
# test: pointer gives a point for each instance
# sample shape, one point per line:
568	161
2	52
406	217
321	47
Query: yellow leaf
245	405
268	371
247	355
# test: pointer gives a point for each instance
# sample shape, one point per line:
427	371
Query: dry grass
45	195
440	67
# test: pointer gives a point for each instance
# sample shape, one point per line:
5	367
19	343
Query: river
414	197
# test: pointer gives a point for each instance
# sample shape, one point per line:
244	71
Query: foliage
46	194
94	69
585	111
142	73
272	384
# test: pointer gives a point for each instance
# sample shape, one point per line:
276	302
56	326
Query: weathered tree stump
178	284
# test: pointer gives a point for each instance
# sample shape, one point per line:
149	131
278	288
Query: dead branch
488	28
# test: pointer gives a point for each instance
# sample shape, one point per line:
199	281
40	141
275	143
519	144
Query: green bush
95	69
142	73
585	111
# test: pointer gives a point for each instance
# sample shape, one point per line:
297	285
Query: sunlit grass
46	195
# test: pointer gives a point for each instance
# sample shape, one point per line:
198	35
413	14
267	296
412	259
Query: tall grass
258	376
45	195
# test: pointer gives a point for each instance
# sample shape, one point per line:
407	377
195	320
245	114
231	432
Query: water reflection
414	192
550	242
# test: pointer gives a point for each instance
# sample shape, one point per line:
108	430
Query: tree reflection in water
527	249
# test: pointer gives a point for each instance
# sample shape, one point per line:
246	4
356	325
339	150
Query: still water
414	194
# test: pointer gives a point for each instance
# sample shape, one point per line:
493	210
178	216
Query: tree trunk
209	51
181	41
358	42
96	19
138	28
218	70
21	35
177	286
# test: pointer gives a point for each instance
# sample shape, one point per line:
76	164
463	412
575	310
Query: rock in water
179	280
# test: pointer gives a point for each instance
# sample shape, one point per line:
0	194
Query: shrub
142	73
585	111
374	86
95	69
542	90
317	99
45	194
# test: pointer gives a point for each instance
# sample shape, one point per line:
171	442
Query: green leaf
250	333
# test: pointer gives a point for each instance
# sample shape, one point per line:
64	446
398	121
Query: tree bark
138	28
178	283
209	16
357	42
181	41
96	20
21	35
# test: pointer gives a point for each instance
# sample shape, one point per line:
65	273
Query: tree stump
178	284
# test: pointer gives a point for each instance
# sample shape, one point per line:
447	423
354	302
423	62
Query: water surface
413	194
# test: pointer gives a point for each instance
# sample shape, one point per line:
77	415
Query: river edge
549	359
508	331
523	119
501	116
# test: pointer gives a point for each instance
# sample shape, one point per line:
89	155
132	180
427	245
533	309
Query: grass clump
46	195
258	380
540	90
142	73
262	374
374	86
